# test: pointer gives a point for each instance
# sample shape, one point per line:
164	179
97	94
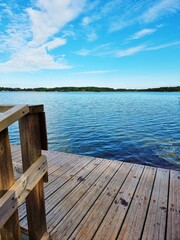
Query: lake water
135	127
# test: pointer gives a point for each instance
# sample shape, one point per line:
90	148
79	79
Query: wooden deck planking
91	198
69	223
173	225
75	196
55	186
90	222
135	218
115	216
156	218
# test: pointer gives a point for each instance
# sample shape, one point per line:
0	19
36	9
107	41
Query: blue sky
120	44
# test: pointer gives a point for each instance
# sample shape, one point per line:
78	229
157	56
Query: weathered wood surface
92	198
15	196
12	115
31	151
11	229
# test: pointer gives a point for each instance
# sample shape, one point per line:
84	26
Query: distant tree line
161	89
89	89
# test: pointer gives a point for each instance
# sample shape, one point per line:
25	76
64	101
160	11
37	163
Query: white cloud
142	48
86	21
92	36
33	59
83	52
163	46
15	32
101	50
30	33
163	7
144	32
57	42
48	20
130	51
128	13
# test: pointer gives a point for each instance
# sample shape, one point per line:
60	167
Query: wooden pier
92	198
53	195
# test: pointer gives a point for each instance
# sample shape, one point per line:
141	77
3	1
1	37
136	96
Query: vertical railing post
11	229
30	133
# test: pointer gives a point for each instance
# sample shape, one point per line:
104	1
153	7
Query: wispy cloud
159	9
163	46
100	50
15	34
92	36
57	42
128	13
142	48
84	52
130	51
47	21
33	59
144	32
95	72
86	21
30	36
108	50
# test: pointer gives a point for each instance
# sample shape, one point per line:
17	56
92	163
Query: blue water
135	127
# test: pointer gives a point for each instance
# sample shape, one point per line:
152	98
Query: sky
103	43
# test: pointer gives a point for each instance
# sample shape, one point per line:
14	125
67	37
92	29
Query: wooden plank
173	223
56	185
75	195
134	221
67	200
31	151
73	218
113	220
94	217
79	170
61	202
56	193
12	115
32	108
45	236
11	229
21	189
155	226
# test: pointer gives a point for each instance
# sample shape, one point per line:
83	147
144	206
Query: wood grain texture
31	151
12	115
11	229
93	218
155	225
15	196
133	225
80	205
114	218
173	223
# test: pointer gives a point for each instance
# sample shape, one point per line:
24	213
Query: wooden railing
29	186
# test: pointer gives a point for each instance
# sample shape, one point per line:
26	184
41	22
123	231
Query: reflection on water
135	127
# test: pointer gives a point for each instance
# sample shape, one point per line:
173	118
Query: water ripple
135	127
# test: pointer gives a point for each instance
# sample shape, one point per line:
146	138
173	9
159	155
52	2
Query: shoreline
88	89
